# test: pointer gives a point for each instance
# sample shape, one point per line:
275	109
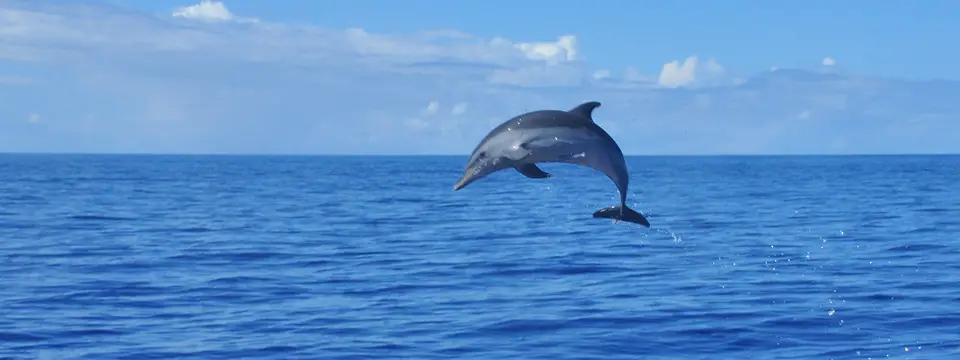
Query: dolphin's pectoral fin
532	171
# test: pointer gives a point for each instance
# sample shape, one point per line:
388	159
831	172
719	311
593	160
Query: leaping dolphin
554	136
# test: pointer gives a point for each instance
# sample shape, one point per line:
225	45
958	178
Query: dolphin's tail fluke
627	214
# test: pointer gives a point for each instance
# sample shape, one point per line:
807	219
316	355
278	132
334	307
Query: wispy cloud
201	78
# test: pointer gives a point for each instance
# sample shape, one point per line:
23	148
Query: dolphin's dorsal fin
586	109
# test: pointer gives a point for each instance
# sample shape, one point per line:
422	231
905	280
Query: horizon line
322	154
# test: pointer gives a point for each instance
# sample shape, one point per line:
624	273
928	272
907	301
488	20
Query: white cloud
564	49
203	79
691	72
675	75
804	115
459	109
432	108
631	74
829	61
208	11
38	32
427	118
602	74
33	118
418	123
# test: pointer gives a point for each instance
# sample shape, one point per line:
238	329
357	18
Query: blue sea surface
270	257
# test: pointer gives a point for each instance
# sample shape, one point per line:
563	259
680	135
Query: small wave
99	218
552	270
916	248
17	337
197	229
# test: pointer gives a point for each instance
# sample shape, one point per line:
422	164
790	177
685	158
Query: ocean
325	257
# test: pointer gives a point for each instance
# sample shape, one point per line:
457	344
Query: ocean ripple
159	257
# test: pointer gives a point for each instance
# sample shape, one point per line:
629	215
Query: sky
433	77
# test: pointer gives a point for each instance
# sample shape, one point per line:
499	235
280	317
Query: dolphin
554	136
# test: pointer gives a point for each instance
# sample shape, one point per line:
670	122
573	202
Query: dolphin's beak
463	182
474	173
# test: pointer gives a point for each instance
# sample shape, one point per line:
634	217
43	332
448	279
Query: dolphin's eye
482	155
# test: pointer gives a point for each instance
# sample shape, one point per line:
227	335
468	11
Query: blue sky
417	76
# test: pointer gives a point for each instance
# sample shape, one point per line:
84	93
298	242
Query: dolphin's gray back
578	118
